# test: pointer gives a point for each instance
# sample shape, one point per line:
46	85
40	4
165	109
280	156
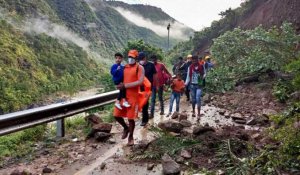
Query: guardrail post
60	128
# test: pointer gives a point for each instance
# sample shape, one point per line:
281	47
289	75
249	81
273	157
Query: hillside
251	14
50	46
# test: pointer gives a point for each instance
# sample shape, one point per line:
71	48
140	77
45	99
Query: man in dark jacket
184	68
150	73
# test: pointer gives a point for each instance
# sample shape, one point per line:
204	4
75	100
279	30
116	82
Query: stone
268	112
103	165
220	172
111	141
150	166
237	116
186	154
198	130
179	159
186	123
240	121
175	115
170	167
217	121
227	114
47	170
183	116
102	127
102	136
251	121
255	136
93	119
222	111
170	126
207	98
187	131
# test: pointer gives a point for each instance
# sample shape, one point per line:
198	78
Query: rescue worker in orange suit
133	77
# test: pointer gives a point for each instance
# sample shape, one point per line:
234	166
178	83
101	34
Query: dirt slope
273	12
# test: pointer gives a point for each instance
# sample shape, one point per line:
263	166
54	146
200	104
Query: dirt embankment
272	12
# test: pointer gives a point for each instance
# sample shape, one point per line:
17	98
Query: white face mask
131	60
142	62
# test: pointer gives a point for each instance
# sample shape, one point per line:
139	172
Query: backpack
143	96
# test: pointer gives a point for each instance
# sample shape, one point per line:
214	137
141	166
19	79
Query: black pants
145	113
187	92
122	94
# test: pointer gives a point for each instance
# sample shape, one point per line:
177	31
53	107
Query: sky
196	14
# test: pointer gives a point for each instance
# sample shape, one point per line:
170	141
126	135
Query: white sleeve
187	80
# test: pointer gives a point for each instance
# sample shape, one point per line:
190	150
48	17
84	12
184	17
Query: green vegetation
20	144
164	143
240	53
140	45
32	67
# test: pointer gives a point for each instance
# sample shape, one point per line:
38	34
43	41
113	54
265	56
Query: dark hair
194	57
180	58
153	57
118	54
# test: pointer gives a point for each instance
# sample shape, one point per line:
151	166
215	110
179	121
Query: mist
176	31
40	26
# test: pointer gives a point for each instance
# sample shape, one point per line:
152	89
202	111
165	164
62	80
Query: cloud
176	31
39	25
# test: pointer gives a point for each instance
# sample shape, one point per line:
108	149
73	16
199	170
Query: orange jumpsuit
133	77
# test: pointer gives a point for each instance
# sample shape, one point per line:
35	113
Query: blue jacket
117	75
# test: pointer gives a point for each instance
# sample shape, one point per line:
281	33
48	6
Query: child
177	86
117	72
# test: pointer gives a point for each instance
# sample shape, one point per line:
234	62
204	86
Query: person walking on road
150	73
195	76
177	65
184	68
177	86
133	77
162	75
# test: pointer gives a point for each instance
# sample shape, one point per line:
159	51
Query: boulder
183	116
150	166
170	126
186	123
102	127
102	136
207	98
175	115
198	130
93	119
268	112
186	154
47	170
170	167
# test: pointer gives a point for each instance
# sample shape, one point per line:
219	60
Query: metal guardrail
17	121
